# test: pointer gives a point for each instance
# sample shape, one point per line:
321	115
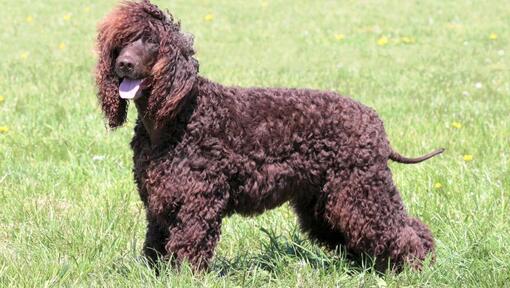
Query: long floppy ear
174	75
114	107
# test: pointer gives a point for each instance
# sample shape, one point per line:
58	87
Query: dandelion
493	36
454	26
24	55
456	125
382	41
468	157
4	129
478	85
438	185
209	17
67	17
2	98
30	19
339	37
407	40
62	46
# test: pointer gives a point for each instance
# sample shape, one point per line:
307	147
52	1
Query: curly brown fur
203	151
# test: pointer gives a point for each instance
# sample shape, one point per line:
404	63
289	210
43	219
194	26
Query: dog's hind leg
155	240
310	212
367	207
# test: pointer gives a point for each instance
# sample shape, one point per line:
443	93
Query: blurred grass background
437	72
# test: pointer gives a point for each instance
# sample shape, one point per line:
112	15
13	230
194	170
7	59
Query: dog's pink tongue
128	88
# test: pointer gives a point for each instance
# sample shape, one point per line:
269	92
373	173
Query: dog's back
274	142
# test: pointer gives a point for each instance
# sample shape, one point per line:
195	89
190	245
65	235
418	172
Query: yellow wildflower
493	36
86	9
455	26
367	29
209	17
407	40
438	185
456	125
4	129
30	19
67	17
339	37
382	41
62	46
468	157
24	55
2	98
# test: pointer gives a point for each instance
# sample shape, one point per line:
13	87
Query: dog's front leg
197	230
186	205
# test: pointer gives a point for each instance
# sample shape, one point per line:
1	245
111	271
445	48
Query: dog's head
143	53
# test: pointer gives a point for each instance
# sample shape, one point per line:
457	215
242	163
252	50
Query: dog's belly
266	188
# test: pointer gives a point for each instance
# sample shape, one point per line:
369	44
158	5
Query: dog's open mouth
128	88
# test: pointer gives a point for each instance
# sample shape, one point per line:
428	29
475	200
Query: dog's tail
405	160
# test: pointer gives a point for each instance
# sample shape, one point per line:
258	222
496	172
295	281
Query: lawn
436	71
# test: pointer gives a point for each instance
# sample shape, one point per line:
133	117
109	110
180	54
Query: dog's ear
114	107
174	75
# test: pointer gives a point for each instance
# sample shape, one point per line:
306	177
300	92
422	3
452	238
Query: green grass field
436	71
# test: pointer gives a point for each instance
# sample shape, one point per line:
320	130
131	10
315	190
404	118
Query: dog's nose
125	65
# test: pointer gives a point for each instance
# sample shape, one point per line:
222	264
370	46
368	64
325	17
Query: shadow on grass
278	253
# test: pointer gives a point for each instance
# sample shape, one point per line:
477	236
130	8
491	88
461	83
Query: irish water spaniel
203	151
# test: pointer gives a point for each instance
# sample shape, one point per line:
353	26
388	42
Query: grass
69	211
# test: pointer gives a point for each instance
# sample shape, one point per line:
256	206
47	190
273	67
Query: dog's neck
149	123
159	134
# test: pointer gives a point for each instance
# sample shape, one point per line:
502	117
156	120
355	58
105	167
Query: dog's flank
203	151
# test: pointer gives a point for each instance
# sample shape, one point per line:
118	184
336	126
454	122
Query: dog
204	151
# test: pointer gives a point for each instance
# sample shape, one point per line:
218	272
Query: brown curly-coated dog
203	151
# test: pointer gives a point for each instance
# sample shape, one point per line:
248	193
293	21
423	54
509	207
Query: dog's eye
151	41
153	45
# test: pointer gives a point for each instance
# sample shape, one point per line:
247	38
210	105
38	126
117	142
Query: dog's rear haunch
203	151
